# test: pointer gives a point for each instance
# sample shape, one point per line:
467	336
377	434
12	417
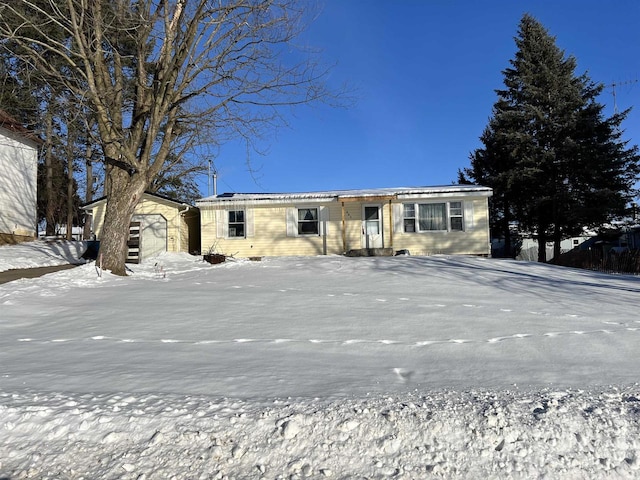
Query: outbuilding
159	224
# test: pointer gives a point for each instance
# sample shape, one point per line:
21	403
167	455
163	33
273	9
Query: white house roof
337	195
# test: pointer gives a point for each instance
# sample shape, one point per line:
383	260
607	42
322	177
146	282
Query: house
159	224
18	181
450	219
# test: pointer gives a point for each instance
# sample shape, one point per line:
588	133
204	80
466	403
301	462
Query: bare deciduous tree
150	71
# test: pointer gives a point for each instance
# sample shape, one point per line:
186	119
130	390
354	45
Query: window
236	223
432	216
409	217
455	215
427	217
308	221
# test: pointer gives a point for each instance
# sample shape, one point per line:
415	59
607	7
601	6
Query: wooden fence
627	261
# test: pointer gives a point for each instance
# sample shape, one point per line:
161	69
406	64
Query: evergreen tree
555	162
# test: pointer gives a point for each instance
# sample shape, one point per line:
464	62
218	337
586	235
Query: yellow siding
472	241
97	215
270	232
270	238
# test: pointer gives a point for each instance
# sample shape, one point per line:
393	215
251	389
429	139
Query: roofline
340	195
10	124
89	205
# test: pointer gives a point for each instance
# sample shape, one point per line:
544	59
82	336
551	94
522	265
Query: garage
147	237
158	225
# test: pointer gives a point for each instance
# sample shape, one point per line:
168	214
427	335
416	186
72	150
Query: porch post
344	232
391	224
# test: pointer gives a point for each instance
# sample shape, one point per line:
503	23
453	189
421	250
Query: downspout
180	214
344	232
391	224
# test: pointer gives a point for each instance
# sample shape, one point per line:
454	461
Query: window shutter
468	215
292	222
248	218
324	221
222	225
397	210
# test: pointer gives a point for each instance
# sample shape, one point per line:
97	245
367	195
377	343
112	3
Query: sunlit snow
323	367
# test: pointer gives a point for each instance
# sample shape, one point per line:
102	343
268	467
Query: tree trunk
506	231
542	244
557	240
88	196
70	144
50	214
124	193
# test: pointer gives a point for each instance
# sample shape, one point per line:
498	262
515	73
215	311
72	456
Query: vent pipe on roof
212	180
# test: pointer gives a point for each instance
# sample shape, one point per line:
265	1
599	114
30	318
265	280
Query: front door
372	227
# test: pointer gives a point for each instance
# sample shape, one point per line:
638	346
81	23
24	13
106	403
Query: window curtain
432	216
398	217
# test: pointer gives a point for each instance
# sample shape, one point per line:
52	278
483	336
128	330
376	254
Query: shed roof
176	203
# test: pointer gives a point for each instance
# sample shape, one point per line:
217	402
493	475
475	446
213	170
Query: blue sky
425	72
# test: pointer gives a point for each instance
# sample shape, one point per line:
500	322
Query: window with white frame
308	221
455	216
236	224
409	217
429	217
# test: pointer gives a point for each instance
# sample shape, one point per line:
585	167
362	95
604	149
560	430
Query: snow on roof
93	203
339	194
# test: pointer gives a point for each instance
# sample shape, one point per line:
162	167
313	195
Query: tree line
43	92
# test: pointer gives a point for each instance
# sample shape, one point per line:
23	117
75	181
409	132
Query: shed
159	224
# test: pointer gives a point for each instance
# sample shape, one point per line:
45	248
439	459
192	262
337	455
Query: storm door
372	227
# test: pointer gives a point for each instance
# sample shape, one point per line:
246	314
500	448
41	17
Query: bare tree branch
149	70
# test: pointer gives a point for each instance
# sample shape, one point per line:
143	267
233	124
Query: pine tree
555	162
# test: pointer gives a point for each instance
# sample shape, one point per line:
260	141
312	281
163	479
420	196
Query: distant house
159	224
420	221
18	181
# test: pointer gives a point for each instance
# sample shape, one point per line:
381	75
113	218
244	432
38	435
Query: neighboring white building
18	181
529	249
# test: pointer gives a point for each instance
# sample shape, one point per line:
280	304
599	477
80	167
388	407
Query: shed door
153	229
372	227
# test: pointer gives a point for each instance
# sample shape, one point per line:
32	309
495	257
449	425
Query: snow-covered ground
40	254
323	367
